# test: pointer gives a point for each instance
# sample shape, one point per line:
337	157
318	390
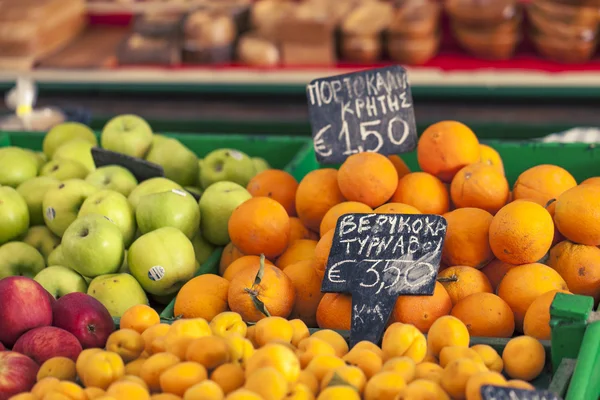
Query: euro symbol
319	143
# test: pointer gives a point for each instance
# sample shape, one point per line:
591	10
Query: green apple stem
253	292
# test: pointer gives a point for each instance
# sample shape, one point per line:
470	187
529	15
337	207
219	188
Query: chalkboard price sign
378	257
141	169
369	110
490	392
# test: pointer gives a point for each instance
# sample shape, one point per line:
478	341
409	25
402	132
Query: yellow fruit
102	369
307	379
451	353
152	333
124	390
311	347
62	368
240	348
447	331
429	371
93	392
66	390
300	331
243	394
207	390
134	379
154	366
133	368
322	365
182	332
210	351
164	396
336	340
338	393
384	385
267	382
366	345
299	392
272	329
228	322
23	396
369	362
524	358
229	377
422	389
83	358
180	377
127	343
490	357
343	376
404	340
404	366
44	386
456	375
475	383
277	356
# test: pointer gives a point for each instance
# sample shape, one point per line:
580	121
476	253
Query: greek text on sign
491	392
370	110
378	257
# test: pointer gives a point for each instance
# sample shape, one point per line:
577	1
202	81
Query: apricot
152	333
456	375
489	356
339	392
422	389
524	358
451	353
322	365
273	329
267	382
182	332
300	331
474	384
346	375
154	366
429	371
404	340
240	348
178	378
62	368
228	322
384	385
336	340
368	361
229	377
277	356
127	343
210	351
102	369
447	331
404	366
206	390
311	347
124	390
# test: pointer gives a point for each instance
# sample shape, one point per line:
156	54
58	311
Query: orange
401	167
300	250
521	232
204	296
423	191
316	194
467	238
491	157
369	178
274	290
543	183
495	271
276	184
335	311
139	318
537	318
347	207
481	186
396	208
577	214
298	231
485	314
558	237
307	282
229	377
591	181
422	311
322	252
241	264
445	147
462	281
524	358
579	266
260	226
229	255
524	283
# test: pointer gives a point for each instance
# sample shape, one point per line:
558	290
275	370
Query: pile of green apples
77	228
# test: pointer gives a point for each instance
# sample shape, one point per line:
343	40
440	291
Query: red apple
85	317
46	342
17	374
25	305
51	298
2	348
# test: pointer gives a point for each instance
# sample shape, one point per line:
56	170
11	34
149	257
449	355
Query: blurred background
510	69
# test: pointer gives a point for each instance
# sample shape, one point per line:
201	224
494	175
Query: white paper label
156	273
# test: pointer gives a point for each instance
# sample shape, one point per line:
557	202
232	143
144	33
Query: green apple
56	257
260	164
194	190
64	169
14	214
176	208
114	206
42	239
164	300
59	281
216	205
79	150
93	245
179	163
153	185
39	157
113	177
61	205
33	191
162	261
16	166
202	248
117	292
65	132
127	134
124	267
226	165
20	259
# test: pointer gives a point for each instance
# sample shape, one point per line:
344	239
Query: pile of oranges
506	253
278	359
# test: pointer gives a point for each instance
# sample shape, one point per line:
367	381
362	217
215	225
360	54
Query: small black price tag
378	257
370	110
141	169
490	392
